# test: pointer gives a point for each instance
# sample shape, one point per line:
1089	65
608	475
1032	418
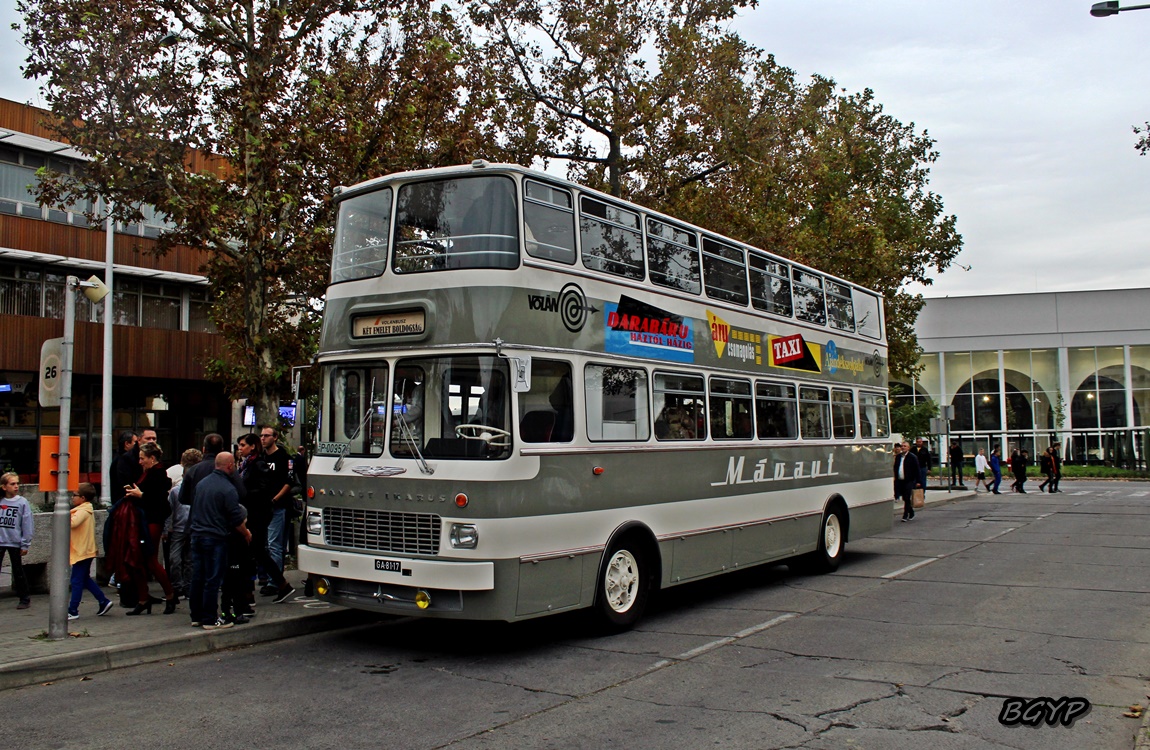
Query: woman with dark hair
150	495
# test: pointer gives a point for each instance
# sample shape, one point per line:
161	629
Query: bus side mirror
520	374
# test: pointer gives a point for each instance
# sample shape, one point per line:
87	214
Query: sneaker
269	590
73	615
284	593
217	625
105	608
240	620
196	624
24	604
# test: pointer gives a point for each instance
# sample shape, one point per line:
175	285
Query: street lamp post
1110	8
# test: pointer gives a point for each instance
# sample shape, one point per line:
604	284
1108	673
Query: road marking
1080	492
725	641
909	568
1139	494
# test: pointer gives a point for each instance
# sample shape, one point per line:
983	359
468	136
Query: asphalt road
917	641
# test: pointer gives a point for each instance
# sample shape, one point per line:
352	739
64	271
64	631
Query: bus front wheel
624	585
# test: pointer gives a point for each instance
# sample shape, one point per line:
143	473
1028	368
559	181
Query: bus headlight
464	536
314	523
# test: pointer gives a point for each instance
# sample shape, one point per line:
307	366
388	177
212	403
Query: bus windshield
454	407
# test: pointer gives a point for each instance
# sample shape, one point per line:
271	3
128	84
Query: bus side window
814	413
810	302
840	307
548	222
617	405
612	239
843	414
777	411
546	412
679	407
731	410
875	419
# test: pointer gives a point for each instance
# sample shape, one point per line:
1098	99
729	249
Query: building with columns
1028	370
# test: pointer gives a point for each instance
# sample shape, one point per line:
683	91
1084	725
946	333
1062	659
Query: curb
79	663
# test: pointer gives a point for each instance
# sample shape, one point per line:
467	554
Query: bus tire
832	542
624	583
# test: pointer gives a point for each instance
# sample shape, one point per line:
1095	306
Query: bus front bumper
394	584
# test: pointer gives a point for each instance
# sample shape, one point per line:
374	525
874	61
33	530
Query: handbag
918	498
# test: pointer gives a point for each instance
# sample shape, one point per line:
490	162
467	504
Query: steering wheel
493	436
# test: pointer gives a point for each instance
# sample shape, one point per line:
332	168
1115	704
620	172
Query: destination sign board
388	324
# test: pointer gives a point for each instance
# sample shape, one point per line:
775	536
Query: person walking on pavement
922	455
996	469
1056	461
981	467
82	550
216	512
906	479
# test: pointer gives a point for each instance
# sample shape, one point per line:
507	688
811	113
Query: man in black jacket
215	513
906	479
213	445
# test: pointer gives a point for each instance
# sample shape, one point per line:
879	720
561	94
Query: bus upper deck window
361	233
548	222
470	222
810	302
673	255
611	239
724	272
770	285
840	307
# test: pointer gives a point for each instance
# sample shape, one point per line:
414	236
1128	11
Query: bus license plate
389	566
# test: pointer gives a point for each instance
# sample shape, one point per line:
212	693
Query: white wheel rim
621	581
832	536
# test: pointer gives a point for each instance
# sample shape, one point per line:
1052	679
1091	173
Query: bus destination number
389	566
388	324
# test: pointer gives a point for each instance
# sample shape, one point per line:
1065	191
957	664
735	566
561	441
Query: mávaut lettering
764	471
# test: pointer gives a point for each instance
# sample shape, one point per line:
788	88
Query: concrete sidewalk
96	644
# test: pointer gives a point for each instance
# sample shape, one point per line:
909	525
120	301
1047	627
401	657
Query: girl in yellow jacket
83	550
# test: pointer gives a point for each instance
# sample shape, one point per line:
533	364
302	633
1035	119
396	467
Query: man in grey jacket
216	512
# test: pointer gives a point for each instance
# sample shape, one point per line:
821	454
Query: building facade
162	336
1029	370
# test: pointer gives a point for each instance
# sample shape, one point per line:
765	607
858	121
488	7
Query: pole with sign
60	384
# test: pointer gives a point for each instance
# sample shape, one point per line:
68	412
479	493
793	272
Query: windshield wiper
362	422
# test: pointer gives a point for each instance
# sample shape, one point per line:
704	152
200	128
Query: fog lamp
422	599
322	586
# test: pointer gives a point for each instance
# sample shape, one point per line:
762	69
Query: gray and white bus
538	398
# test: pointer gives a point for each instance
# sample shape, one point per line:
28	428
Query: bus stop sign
51	369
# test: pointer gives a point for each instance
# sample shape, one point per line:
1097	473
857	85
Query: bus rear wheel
624	585
832	541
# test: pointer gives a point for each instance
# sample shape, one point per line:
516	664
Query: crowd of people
205	529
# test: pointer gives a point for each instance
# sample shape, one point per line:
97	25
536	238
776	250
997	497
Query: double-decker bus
538	398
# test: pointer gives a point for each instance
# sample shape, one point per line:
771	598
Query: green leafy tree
239	131
607	86
661	103
829	180
911	419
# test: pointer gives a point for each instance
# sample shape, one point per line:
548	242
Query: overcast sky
1031	103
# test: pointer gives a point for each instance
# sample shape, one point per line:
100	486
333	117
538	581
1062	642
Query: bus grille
382	531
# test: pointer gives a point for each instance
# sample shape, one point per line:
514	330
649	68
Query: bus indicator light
597	470
461	500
